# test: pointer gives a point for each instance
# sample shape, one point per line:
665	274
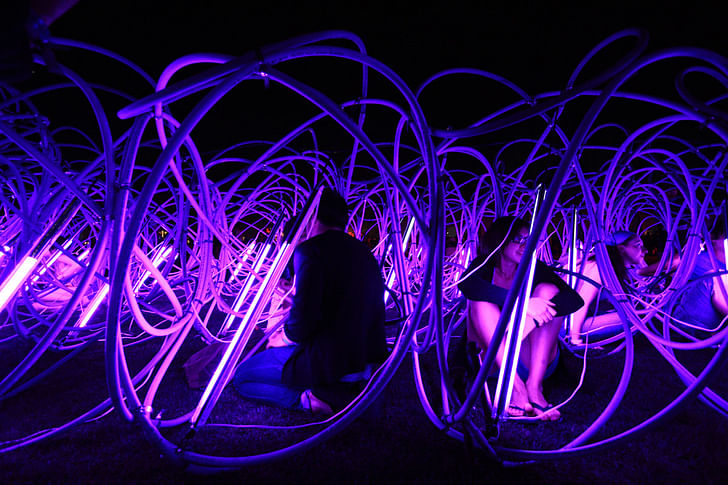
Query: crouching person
335	325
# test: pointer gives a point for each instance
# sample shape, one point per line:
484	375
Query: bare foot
542	407
519	404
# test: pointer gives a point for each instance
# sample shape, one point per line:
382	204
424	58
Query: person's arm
588	292
306	312
567	300
651	269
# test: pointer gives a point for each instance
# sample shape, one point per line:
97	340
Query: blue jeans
260	379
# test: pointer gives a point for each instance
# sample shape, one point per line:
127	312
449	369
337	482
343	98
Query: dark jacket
479	286
337	315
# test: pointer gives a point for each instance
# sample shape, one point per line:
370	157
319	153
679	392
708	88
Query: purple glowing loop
439	188
212	76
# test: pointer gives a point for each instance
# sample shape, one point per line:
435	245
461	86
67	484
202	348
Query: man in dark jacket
336	322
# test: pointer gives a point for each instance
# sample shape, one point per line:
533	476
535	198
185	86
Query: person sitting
627	255
485	285
704	304
335	323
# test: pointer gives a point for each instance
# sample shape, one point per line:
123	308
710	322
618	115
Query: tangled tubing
120	228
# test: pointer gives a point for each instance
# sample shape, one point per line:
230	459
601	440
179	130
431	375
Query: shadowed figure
335	324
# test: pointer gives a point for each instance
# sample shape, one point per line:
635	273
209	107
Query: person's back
335	327
337	316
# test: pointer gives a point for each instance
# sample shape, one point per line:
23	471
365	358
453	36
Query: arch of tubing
134	235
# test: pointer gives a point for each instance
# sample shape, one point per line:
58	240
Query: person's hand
541	310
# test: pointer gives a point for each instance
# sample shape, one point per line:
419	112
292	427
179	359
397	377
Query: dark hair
502	229
615	257
332	209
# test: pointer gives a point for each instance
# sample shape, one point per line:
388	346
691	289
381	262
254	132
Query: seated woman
704	304
485	285
627	254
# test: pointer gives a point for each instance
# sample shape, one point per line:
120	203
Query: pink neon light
230	318
236	338
158	259
248	251
91	309
393	274
52	260
16	279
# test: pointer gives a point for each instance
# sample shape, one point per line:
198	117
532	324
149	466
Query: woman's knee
545	290
482	319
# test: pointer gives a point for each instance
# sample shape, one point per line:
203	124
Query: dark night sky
533	43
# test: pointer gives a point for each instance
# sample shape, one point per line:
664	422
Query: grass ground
398	445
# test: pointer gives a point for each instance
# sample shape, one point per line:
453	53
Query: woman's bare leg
542	343
483	318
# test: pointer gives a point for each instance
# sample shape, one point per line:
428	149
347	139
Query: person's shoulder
310	246
342	237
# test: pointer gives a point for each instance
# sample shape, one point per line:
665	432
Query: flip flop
522	411
545	409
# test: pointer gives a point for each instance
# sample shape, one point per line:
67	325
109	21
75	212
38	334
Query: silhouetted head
332	209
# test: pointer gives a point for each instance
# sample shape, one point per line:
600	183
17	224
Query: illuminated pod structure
170	250
229	210
55	227
629	161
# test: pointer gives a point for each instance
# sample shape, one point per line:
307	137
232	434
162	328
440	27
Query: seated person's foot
542	407
311	403
519	405
516	411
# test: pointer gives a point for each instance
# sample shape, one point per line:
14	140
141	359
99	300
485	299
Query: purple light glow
184	215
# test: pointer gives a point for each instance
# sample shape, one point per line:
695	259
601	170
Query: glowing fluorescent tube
510	362
91	309
248	251
84	255
52	260
464	265
11	284
158	259
393	274
230	318
572	279
232	353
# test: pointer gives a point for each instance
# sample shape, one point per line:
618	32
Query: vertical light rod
393	274
91	309
512	350
572	262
